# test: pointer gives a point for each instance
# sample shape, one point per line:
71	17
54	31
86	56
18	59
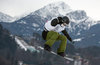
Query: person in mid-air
51	34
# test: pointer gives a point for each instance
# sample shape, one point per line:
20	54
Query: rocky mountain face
81	26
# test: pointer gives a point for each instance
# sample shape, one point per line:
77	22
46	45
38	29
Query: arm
67	35
54	22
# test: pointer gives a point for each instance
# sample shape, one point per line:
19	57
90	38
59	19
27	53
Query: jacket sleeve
67	35
54	22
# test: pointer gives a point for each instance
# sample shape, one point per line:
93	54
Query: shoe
47	47
61	54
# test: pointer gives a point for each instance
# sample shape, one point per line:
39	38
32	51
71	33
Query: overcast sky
19	7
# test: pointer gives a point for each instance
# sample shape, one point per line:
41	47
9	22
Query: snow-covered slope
24	45
80	20
5	18
53	10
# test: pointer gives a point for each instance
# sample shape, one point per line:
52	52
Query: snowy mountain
53	10
79	28
80	19
34	21
5	18
14	50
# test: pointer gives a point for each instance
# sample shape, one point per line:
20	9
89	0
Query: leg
51	38
63	43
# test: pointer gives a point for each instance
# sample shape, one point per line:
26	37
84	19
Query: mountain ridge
33	23
5	18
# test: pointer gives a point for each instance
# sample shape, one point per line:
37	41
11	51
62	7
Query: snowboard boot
61	54
47	47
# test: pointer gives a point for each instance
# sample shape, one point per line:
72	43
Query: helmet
65	19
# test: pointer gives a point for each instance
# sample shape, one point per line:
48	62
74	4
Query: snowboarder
51	34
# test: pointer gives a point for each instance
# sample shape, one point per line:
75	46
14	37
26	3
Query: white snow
90	22
78	33
22	22
35	25
63	8
32	49
40	47
5	18
73	20
78	39
38	29
53	9
24	45
21	16
20	44
20	62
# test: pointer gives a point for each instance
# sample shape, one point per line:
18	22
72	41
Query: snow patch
5	18
22	22
78	33
38	29
24	45
20	44
99	42
32	49
90	22
78	39
35	25
93	34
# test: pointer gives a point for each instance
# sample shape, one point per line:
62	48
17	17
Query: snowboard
67	57
46	53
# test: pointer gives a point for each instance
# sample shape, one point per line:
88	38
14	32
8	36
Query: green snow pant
52	37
